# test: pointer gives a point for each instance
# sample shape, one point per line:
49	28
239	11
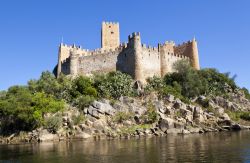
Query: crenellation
139	60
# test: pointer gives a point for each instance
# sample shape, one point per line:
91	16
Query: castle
134	58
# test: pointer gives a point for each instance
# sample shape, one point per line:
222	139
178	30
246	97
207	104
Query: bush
245	116
246	92
83	86
77	119
114	85
151	115
52	124
120	117
154	84
84	101
239	115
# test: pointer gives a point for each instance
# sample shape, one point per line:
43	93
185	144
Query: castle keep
133	57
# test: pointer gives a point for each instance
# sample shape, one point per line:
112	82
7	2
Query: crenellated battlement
149	48
110	23
133	57
133	35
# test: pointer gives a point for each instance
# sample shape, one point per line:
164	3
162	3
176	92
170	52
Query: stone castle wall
134	58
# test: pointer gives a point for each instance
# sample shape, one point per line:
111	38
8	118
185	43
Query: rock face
140	117
166	123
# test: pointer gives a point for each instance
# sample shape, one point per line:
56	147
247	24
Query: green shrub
120	117
83	101
154	84
150	115
52	124
246	92
239	115
114	85
77	119
83	86
245	116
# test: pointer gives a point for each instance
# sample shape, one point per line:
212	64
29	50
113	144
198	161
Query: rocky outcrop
139	117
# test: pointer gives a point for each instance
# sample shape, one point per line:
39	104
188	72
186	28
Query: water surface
223	147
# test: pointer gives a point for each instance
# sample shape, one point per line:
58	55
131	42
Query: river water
225	147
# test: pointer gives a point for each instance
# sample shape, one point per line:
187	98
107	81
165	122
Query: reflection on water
212	147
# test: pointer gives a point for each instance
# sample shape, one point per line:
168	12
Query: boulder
93	112
44	136
103	108
170	98
187	114
169	111
198	115
178	125
225	117
82	135
219	110
194	130
178	104
174	131
236	127
99	125
166	123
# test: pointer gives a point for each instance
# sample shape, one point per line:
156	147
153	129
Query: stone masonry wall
151	63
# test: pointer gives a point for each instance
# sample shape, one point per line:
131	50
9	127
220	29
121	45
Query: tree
20	109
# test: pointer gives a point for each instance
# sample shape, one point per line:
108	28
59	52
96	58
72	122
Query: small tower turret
135	43
194	55
73	62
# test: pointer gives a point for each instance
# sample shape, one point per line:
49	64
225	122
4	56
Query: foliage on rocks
53	123
77	119
151	115
114	85
120	117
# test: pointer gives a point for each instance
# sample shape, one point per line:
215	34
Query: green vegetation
236	116
53	123
188	83
77	119
23	108
114	85
246	92
20	109
120	117
151	115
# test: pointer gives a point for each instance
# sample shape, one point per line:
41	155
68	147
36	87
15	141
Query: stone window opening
112	32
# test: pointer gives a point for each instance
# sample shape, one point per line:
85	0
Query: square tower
110	35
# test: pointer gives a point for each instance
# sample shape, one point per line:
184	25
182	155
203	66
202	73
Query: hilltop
112	105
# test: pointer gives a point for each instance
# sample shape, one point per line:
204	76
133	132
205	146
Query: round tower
73	63
195	55
138	69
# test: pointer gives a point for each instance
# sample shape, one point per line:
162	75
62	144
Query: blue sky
31	30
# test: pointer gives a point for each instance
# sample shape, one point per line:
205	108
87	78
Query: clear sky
31	30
